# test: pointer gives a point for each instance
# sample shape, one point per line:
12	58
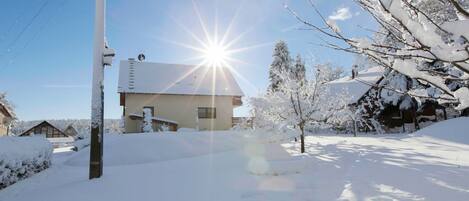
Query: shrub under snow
21	157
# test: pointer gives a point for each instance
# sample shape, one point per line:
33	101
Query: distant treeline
81	125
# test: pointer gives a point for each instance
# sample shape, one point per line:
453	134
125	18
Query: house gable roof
5	111
42	123
356	88
70	127
5	107
160	78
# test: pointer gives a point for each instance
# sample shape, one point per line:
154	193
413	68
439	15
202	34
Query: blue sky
46	45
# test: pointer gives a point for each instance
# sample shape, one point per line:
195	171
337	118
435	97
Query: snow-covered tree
349	119
5	103
298	70
296	105
282	63
431	43
329	72
147	121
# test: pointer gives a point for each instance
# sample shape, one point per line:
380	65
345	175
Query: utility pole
102	56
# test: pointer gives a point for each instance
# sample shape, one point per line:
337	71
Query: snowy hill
454	130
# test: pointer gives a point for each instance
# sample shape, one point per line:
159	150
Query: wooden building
363	90
6	116
70	131
50	131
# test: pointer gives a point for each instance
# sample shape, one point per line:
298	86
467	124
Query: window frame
151	108
207	112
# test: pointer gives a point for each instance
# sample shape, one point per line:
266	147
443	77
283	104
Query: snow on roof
359	86
154	118
160	78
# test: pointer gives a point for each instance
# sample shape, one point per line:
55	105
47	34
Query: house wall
180	108
4	123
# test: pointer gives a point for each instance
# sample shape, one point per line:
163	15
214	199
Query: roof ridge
164	78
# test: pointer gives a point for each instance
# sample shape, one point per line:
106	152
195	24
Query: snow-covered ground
427	165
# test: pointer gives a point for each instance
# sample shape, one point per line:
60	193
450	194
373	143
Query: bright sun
215	55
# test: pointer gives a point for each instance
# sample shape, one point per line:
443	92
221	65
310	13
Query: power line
13	42
35	35
10	28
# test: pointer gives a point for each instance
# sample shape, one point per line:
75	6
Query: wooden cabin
48	130
6	116
363	89
70	131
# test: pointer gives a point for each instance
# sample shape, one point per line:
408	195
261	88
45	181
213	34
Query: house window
152	110
207	112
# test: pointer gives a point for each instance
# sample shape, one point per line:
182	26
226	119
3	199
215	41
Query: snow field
237	165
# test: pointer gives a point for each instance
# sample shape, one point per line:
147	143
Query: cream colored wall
180	108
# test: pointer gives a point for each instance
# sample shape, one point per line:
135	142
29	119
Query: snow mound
143	148
21	157
454	130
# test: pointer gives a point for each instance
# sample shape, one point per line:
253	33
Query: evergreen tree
299	71
281	64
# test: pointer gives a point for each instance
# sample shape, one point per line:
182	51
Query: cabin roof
5	107
179	79
356	88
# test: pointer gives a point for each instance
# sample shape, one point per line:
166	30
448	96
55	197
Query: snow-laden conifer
147	121
281	64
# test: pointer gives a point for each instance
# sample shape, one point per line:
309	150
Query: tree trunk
414	116
302	138
354	128
402	121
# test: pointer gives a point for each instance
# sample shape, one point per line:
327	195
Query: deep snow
453	130
21	157
230	166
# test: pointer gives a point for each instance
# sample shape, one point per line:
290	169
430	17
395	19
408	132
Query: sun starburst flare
214	51
216	55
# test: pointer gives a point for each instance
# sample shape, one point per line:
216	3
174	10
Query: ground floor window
207	112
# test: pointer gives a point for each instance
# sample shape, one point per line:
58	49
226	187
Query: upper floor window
207	112
152	110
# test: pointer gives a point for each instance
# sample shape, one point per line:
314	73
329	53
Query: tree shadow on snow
345	170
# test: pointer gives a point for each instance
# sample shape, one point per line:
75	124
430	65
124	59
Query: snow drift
454	130
153	147
21	157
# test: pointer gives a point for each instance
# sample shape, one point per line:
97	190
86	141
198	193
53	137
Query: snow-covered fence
21	157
